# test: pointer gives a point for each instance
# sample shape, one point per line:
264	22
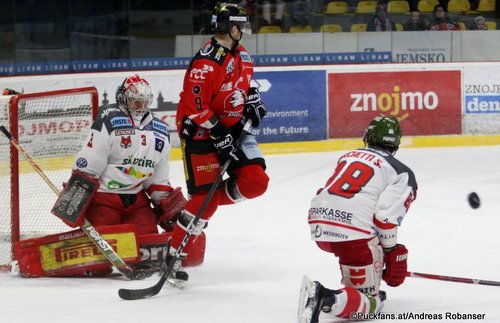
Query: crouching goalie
120	184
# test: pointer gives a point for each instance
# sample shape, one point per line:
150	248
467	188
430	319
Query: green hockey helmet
383	132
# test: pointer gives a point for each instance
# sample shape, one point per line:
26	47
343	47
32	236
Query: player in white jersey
356	217
127	154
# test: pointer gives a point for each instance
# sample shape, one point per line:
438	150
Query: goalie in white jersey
356	217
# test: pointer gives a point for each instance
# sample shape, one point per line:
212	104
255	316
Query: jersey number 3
352	179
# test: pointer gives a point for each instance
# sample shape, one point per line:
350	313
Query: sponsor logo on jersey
208	168
121	121
329	214
220	53
124	132
114	185
132	171
245	57
226	87
160	126
200	73
159	144
81	162
106	112
141	162
207	49
126	142
230	66
196	89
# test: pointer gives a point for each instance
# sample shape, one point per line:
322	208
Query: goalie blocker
75	199
73	253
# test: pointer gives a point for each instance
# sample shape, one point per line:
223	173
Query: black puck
474	200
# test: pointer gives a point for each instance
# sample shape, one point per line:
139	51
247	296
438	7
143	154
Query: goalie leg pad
75	198
73	253
153	249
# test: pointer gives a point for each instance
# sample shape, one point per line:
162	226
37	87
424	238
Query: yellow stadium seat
492	25
398	6
426	6
337	7
486	6
358	27
301	29
366	6
455	6
399	26
270	30
462	25
330	28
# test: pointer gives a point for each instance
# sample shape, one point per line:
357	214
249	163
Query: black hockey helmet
383	132
226	15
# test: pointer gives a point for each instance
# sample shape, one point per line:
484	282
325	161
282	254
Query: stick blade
135	294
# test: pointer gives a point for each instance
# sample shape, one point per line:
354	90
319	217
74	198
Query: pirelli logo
82	250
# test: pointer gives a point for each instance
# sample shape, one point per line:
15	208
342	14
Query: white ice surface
258	251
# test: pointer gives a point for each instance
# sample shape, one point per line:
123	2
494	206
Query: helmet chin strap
236	41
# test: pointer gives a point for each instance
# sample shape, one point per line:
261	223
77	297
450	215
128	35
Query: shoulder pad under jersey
213	52
112	118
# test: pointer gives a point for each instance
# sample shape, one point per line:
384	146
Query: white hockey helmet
134	95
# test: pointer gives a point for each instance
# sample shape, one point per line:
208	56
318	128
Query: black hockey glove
224	143
254	109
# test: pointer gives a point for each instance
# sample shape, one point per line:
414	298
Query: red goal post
51	127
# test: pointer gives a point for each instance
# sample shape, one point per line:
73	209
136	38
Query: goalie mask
227	15
383	132
135	96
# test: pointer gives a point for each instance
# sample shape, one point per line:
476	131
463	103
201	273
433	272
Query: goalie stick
87	227
454	279
134	294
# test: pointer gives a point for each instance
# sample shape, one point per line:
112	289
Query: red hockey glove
169	208
395	265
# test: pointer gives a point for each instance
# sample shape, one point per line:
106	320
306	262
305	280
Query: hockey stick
454	279
87	228
134	294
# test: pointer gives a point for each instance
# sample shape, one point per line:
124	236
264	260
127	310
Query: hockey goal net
51	127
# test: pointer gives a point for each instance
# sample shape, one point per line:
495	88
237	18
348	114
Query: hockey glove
224	143
169	209
395	265
254	109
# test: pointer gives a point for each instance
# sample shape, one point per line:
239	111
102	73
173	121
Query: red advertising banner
424	102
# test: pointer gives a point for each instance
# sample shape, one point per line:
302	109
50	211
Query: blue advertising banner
183	62
296	106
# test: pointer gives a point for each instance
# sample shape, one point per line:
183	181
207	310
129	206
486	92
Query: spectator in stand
479	23
301	13
267	10
381	20
416	22
441	20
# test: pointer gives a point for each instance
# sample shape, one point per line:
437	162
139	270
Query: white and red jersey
126	157
215	88
368	195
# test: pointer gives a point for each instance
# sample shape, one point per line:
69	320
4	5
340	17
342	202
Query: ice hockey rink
258	251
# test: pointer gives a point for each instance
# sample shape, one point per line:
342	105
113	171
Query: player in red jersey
215	102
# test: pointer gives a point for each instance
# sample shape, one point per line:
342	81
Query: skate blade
175	283
306	301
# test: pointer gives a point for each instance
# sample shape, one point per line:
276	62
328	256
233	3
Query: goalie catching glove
254	109
395	265
169	208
